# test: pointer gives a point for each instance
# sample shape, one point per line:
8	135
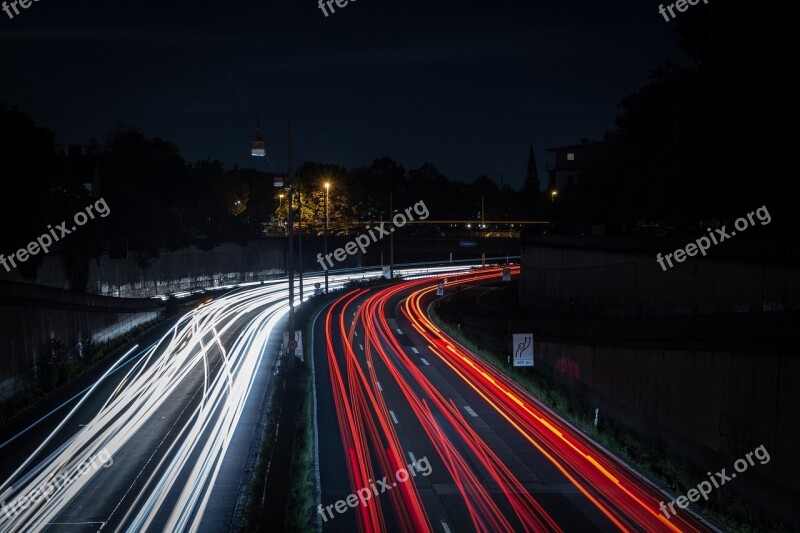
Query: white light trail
193	357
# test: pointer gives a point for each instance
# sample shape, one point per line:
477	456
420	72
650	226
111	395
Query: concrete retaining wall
584	281
31	315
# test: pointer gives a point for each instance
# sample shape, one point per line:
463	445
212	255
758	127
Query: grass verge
282	495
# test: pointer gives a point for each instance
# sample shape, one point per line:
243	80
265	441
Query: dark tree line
159	201
703	141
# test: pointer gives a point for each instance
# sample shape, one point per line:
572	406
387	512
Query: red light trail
488	488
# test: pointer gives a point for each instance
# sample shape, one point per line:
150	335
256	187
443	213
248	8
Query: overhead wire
253	118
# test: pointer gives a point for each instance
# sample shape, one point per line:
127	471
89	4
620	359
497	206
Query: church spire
532	174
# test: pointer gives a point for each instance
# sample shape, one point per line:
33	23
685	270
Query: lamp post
553	195
300	239
290	261
391	237
327	189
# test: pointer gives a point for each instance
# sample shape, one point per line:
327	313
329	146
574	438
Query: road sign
468	244
440	289
317	285
506	274
523	349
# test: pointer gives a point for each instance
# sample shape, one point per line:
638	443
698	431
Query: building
568	162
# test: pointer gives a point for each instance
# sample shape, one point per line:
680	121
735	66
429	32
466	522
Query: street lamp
327	189
553	195
300	238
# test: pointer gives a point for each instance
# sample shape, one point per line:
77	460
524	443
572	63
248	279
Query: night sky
464	85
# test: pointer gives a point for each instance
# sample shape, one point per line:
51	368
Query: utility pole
290	259
391	237
300	240
327	188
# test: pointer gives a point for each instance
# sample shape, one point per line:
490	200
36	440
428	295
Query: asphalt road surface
393	391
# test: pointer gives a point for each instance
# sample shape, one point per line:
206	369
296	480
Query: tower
531	184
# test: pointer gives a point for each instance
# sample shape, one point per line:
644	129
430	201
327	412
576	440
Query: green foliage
52	365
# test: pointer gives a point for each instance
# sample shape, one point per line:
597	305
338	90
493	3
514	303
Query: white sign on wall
523	349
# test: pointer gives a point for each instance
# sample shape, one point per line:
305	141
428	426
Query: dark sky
464	85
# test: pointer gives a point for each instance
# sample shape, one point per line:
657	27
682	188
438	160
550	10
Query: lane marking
414	350
426	363
378	383
469	410
445	527
361	346
394	418
369	364
400	331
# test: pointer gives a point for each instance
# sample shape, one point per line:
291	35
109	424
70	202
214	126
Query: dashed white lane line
426	363
394	418
469	410
414	350
445	527
378	383
400	331
361	346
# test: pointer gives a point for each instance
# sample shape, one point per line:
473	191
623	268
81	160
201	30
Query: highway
162	437
392	389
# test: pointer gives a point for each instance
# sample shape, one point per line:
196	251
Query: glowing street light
553	195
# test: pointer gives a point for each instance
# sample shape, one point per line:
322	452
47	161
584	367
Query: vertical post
391	237
327	186
290	262
596	416
483	215
300	240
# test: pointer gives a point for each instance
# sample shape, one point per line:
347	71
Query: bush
52	368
